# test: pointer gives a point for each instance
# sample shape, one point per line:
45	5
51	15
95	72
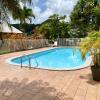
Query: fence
68	41
10	45
22	44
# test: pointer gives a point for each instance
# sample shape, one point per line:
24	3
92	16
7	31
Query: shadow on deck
25	90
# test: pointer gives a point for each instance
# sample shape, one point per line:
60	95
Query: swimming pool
53	59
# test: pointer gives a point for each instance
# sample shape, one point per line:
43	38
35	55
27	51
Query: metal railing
29	61
21	61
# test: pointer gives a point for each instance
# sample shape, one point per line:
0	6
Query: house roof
4	28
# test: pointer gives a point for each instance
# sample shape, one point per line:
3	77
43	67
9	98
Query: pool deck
38	84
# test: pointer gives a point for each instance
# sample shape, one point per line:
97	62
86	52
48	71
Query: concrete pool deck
38	84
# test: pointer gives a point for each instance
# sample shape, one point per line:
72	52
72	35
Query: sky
42	9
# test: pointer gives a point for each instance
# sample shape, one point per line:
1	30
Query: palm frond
11	7
91	44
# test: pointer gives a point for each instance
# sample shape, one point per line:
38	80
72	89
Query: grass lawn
8	51
4	52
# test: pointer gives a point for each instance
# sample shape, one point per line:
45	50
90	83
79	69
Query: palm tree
24	15
10	7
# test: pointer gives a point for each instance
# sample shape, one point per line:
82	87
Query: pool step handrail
22	60
36	61
29	62
29	59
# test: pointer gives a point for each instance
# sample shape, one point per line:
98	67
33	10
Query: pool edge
85	65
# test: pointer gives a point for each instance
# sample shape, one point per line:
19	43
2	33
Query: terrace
38	84
28	27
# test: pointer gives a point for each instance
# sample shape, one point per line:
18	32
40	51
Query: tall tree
55	27
25	16
10	7
85	16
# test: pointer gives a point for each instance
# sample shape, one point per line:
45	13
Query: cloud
45	8
61	7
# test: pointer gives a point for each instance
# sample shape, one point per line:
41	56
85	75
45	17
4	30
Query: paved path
37	84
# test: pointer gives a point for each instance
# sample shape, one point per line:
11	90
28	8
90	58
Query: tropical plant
92	44
25	15
10	7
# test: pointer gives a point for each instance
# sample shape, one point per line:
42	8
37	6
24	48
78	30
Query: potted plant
91	44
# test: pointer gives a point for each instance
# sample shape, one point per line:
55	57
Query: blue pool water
54	59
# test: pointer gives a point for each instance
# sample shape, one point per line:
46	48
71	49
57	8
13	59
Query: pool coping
87	63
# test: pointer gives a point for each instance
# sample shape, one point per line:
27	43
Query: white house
4	28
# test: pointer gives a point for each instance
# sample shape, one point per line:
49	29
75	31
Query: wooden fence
22	44
26	44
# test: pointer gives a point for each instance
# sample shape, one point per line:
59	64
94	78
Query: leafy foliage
92	44
55	27
86	17
11	7
24	15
